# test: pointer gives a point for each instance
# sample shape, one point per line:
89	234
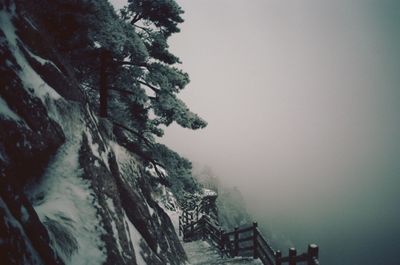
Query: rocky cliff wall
71	191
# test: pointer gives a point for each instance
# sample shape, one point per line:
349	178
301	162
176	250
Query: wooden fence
243	241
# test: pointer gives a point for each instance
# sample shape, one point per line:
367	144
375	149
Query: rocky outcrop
71	191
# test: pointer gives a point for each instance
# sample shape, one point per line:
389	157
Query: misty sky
302	100
301	96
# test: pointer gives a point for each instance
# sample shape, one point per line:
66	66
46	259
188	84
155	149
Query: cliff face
71	191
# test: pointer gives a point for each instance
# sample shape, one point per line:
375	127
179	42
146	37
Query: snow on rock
111	208
209	193
95	149
84	198
41	60
28	76
64	200
124	157
24	214
128	165
30	22
153	169
139	244
136	239
7	113
168	202
97	44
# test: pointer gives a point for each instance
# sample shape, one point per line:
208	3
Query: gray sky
302	100
299	95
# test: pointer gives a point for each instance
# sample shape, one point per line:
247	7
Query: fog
302	100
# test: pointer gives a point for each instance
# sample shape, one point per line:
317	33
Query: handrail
240	240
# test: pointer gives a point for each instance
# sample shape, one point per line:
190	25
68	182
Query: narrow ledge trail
202	253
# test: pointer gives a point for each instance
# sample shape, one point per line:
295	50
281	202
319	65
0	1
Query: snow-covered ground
202	253
64	201
167	201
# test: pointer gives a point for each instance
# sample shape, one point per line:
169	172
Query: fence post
278	256
292	256
236	253
312	253
204	227
221	240
180	225
255	240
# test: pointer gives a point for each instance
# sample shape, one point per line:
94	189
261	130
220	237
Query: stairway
203	253
198	224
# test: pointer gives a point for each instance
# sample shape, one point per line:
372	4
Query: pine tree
123	60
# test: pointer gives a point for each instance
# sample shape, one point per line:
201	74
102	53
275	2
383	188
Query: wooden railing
243	241
205	207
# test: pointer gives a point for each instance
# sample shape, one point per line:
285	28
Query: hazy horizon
302	100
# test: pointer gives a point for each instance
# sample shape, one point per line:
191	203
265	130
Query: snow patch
151	210
111	207
24	214
65	199
126	162
121	154
32	24
167	201
95	149
136	239
149	91
7	113
209	193
152	170
27	75
97	44
41	60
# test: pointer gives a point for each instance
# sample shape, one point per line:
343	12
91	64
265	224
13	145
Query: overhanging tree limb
146	141
143	154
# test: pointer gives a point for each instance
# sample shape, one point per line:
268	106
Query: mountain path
202	253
